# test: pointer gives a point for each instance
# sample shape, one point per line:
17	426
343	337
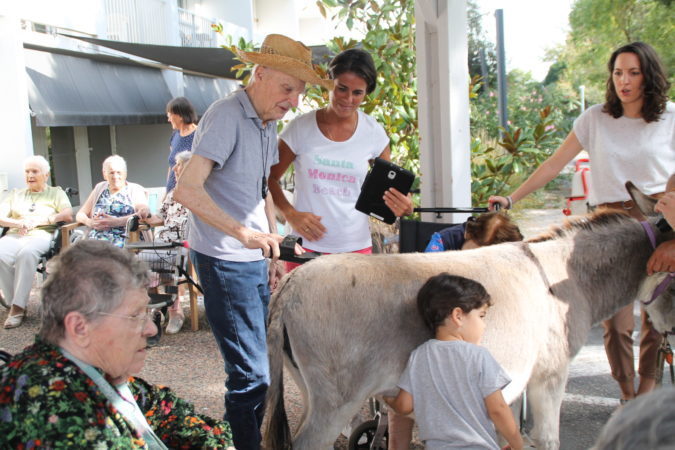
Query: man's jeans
236	296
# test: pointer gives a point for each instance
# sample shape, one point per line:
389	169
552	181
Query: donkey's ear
644	203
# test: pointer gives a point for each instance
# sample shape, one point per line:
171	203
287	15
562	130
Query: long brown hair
655	86
492	228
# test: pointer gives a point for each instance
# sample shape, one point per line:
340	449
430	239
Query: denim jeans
236	296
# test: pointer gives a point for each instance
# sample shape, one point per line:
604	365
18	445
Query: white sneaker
14	321
175	324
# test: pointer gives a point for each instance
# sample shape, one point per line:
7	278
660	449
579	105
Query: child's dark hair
443	293
492	228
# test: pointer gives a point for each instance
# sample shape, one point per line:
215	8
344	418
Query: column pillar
15	113
443	102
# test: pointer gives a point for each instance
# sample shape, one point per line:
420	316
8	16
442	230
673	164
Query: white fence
139	21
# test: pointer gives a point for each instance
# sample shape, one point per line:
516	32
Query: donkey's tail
277	434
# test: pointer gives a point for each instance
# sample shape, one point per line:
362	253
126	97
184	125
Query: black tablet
382	176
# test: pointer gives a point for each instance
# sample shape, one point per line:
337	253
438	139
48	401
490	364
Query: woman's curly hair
655	86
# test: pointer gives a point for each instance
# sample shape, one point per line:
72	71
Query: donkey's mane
600	218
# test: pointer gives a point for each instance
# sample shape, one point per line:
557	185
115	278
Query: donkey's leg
322	427
545	394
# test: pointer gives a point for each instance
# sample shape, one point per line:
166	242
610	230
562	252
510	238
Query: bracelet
510	200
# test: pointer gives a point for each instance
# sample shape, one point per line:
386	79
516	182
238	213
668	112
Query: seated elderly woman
73	386
30	215
173	218
112	202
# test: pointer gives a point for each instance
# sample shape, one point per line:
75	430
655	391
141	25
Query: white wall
276	16
236	14
78	15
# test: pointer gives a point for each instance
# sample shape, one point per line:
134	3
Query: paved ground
190	363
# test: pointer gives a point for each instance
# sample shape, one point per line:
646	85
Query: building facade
77	102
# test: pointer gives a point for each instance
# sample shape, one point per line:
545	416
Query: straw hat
288	56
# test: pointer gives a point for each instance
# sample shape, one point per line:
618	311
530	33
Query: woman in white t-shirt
630	137
331	149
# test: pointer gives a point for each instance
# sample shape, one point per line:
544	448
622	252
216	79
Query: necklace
30	197
326	128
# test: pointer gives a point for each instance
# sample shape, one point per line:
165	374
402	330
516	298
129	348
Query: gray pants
19	257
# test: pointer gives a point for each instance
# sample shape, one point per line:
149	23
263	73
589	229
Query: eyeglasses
141	318
32	208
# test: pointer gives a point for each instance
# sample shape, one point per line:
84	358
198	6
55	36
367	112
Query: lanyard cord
263	156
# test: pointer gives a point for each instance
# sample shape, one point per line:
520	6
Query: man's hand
267	242
663	258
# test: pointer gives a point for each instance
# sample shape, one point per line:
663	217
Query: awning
202	91
66	90
214	61
208	61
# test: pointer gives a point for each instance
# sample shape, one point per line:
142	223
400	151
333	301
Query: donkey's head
662	308
643	202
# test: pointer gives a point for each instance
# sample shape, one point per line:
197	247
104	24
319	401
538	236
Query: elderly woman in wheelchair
29	216
112	203
74	386
171	223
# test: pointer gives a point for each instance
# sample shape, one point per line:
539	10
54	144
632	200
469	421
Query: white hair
114	160
646	422
40	161
183	157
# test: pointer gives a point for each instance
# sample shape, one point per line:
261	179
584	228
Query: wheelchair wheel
363	435
4	357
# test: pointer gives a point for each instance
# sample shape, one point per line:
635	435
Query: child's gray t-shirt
449	381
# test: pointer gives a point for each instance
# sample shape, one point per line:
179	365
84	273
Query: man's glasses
141	318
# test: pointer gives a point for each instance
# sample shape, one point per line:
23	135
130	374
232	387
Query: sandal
287	249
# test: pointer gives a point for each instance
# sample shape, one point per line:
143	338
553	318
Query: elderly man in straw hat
225	187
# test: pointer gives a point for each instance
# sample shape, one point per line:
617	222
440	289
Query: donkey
344	325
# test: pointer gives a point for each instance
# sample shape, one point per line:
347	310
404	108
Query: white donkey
344	325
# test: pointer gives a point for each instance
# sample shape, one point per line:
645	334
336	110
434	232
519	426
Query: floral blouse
118	204
175	220
46	401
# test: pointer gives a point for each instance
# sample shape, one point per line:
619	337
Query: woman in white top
331	149
630	137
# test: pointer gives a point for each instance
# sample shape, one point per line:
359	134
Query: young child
486	229
454	384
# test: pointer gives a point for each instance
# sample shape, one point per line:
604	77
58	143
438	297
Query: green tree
598	27
388	28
